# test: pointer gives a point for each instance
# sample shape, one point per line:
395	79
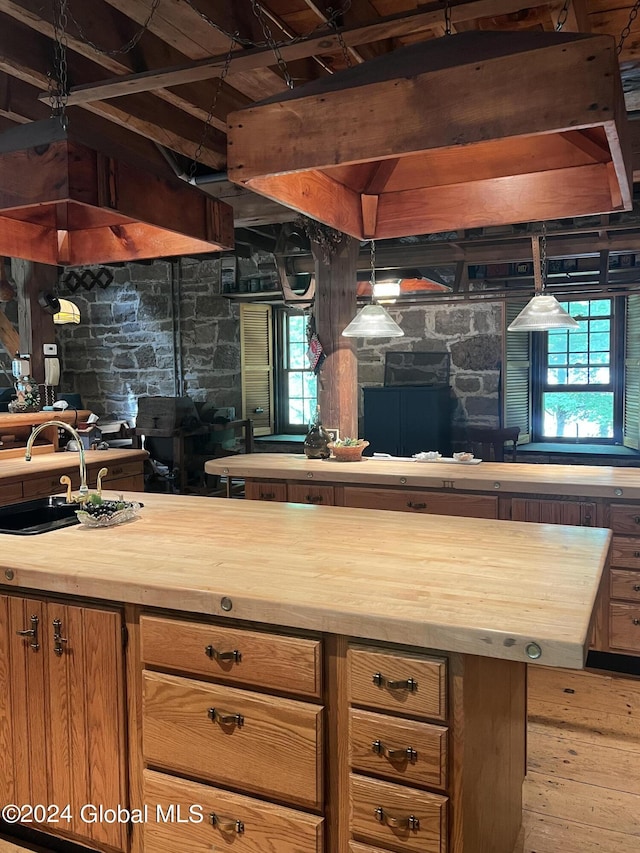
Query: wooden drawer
421	748
625	518
356	847
264	490
259	743
625	552
624	627
303	493
625	584
12	493
405	500
50	485
545	511
119	471
398	681
264	826
125	484
377	805
261	659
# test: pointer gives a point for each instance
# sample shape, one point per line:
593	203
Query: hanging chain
333	23
127	46
246	42
258	11
562	17
447	17
543	255
373	267
214	102
59	79
633	14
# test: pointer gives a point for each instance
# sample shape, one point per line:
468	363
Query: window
578	384
297	390
575	396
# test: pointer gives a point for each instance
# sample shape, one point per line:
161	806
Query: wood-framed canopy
482	128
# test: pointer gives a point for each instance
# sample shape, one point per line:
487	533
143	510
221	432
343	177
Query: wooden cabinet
265	490
312	493
421	501
624	579
403	420
203	722
547	511
62	715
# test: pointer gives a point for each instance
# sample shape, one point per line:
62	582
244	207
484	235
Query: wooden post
335	305
35	325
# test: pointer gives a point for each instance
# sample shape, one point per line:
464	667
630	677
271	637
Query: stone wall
472	334
159	329
164	329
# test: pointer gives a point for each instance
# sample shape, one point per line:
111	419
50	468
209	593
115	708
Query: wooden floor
582	792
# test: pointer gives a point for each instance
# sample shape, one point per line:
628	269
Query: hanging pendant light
373	321
543	312
480	128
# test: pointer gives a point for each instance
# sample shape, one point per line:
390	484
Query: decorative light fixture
373	320
543	312
63	203
438	135
68	312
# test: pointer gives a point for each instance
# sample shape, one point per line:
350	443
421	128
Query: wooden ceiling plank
252	60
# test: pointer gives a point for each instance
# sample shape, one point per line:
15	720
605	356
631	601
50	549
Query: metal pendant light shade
543	312
477	129
63	203
373	321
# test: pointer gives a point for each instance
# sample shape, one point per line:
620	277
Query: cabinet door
382	420
425	418
85	715
574	513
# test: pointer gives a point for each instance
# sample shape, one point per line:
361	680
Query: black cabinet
403	420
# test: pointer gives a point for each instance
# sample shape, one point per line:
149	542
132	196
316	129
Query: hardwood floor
582	792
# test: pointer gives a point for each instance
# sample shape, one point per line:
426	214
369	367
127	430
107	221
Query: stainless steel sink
37	516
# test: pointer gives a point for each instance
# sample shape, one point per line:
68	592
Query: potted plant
348	449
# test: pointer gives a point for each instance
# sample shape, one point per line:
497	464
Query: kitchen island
581	495
315	679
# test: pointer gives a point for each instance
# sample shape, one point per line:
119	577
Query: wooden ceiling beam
252	60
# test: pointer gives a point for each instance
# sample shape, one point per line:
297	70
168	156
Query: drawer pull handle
58	639
225	719
226	824
408	754
410	822
314	499
587	521
409	684
31	632
636	553
636	587
637	519
416	505
635	620
214	654
267	496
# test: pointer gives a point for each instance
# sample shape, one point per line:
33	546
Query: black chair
489	444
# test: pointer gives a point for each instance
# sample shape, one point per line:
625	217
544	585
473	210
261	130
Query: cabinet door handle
225	719
635	620
58	639
637	519
226	824
314	499
31	632
407	754
267	496
636	587
636	553
409	684
416	505
214	654
409	822
587	521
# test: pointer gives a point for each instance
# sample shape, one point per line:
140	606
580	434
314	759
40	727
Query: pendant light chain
373	268
258	11
543	256
214	102
59	87
562	17
128	45
332	20
447	17
633	14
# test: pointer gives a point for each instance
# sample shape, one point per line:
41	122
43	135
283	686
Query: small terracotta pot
348	453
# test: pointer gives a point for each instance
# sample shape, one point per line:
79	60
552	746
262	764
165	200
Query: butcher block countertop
48	463
477	586
576	480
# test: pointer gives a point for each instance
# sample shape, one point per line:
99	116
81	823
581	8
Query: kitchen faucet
83	491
